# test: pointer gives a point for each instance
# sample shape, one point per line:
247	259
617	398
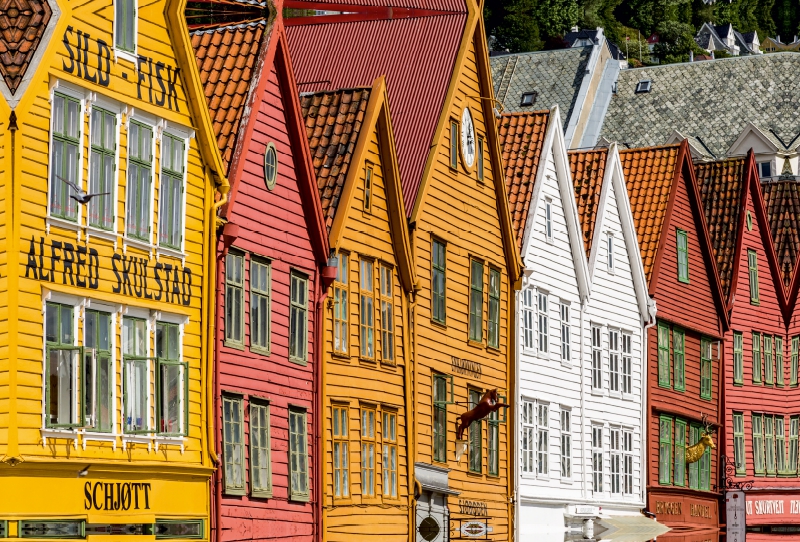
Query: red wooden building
683	346
272	254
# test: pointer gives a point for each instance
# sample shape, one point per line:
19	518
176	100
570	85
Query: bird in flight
79	195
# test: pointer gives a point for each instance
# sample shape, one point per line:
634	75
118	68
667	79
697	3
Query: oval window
270	166
749	221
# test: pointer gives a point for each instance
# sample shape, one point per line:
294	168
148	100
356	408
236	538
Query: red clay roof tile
782	202
588	169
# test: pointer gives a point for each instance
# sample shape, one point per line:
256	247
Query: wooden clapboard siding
5	399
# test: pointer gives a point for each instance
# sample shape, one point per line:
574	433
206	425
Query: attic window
528	98
643	86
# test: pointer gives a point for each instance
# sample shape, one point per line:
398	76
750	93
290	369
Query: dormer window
765	169
643	86
528	99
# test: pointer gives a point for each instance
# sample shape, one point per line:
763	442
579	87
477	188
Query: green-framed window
234	299
757	374
125	25
769	443
752	265
794	361
102	167
389	437
794	432
98	378
192	529
341	451
679	359
136	371
61	367
769	361
439	281
780	444
57	528
738	358
442	396
368	419
665	450
298	318
387	313
679	476
700	471
494	308
479	159
65	155
366	296
758	444
260	456
475	436
260	305
453	144
298	455
705	369
738	443
368	189
170	194
233	444
171	381
476	301
779	368
341	306
493	444
663	355
683	256
140	179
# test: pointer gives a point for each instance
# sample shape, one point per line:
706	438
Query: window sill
261	494
108	235
170	252
680	390
137	439
598	393
567	481
170	441
88	436
342	357
232	344
369	361
137	243
298	361
738	384
343	501
260	350
62	223
299	498
475	344
438	324
390	364
234	492
124	55
53	434
493	349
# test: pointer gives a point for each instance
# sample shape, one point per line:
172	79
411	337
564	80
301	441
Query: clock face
467	138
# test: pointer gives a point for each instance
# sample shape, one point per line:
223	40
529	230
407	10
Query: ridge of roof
226	27
588	172
782	203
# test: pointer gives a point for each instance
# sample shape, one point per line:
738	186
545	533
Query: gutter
652	310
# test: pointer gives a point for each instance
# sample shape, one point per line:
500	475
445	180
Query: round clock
467	138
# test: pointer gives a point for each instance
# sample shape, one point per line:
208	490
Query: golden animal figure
696	451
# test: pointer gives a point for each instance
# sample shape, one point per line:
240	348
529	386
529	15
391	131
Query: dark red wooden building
272	254
683	346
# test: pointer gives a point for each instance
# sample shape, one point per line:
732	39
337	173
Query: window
366	299
170	194
794	430
616	460
758	444
298	454
181	528
779	369
341	309
780	444
453	144
475	436
683	256
769	361
756	357
441	398
749	221
233	445
528	99
494	308
140	177
528	326
341	458
627	485
565	339
63	529
61	373
260	465
665	450
597	459
705	369
542	439
298	318
98	372
65	156
769	443
566	444
597	359
270	166
752	264
171	380
135	343
368	189
679	359
368	452
679	476
234	299
794	361
738	365
694	468
610	252
528	440
543	327
390	454
663	355
548	220
613	360
643	86
738	443
704	465
627	363
125	25
493	443
438	284
480	166
102	168
476	301
387	314
260	305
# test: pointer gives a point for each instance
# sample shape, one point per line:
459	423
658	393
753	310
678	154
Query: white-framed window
566	444
139	189
616	460
627	363
543	321
565	334
765	169
610	252
542	439
233	444
65	155
527	440
627	448
298	317
548	219
170	380
62	361
260	304
102	168
613	360
98	371
136	375
597	459
260	450
125	25
597	358
528	325
171	191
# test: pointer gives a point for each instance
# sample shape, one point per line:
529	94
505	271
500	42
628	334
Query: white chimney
574	29
691	56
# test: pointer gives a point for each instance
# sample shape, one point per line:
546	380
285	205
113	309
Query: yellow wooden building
366	394
104	351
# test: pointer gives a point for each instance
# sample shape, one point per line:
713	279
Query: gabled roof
782	202
588	171
522	138
333	124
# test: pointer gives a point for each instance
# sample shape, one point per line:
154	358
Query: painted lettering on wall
761	507
472	508
466	367
162	73
669	508
95	69
700	511
116	496
79	265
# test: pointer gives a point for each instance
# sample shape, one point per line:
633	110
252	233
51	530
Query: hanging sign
735	514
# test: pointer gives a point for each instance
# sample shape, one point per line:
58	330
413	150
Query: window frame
256	294
627	363
794	360
756	358
769	445
493	312
390	458
438	299
610	252
794	432
664	365
528	464
128	362
769	360
183	385
65	139
386	296
627	451
301	358
597	356
341	296
678	359
480	159
739	457
178	176
565	417
104	154
476	290
493	444
232	287
613	361
706	366
528	321
779	368
542	322
542	417
757	436
454	129
680	458
738	358
683	267
117	23
340	434
566	335
76	363
369	442
297	494
97	354
752	268
146	201
665	450
440	407
475	459
229	486
615	459
548	220
598	459
366	307
368	189
255	406
780	445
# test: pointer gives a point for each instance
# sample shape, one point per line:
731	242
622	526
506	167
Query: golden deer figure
696	451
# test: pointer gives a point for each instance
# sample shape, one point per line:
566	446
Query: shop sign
466	367
735	515
674	508
669	508
113	496
472	508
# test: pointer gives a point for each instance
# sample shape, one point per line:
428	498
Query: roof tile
782	200
588	170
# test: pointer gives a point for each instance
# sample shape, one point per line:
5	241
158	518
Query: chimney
574	29
712	55
691	56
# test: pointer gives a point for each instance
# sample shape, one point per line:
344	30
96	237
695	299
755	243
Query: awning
628	528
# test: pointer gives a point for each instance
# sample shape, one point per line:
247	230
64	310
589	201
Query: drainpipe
651	321
217	394
324	280
583	404
515	418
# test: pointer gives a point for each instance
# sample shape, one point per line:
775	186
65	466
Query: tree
675	41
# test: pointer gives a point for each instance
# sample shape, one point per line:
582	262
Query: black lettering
69	259
71	67
87	494
167	269
171	90
103	53
147	294
137	279
108	490
118	499
31	265
78	53
79	268
158	266
94	264
114	259
146	487
176	290
150	79
125	502
139	61
90	78
42	273
159	69
95	503
135	487
55	245
126	279
187	286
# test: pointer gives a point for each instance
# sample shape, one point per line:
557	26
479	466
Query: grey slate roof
555	76
713	100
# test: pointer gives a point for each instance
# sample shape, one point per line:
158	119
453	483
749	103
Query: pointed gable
522	138
782	201
588	172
